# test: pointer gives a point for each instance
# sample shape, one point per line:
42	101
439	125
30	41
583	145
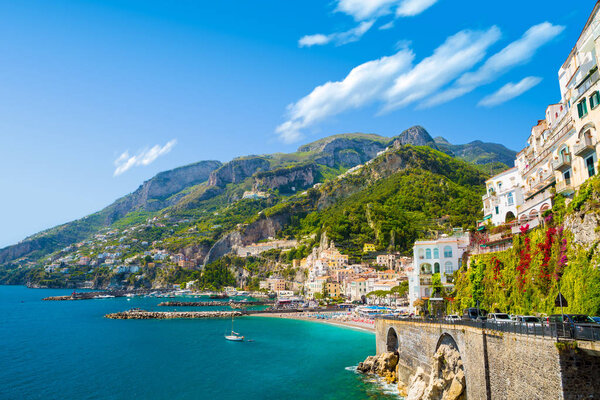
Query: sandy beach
348	322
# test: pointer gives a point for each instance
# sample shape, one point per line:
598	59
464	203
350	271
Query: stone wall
498	365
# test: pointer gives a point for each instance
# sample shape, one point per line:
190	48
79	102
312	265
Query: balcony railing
564	187
584	147
585	85
566	126
562	163
425	281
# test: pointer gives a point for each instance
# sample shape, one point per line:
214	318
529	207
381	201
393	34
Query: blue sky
98	96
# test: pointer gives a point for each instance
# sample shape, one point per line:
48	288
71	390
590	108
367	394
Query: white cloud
459	53
387	26
338	38
392	80
363	85
145	157
409	8
367	9
510	91
517	53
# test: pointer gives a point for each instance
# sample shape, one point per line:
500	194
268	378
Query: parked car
597	319
474	314
452	317
528	319
578	326
499	317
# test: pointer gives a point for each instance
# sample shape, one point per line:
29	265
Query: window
421	253
510	199
497	210
436	268
589	163
436	253
594	100
567	176
582	108
448	267
499	186
447	252
428	254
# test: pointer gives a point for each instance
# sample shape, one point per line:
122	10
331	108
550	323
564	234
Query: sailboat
234	337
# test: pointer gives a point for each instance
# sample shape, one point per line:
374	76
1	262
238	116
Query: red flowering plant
545	273
497	267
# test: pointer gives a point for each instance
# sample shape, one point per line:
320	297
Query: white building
357	289
430	257
503	197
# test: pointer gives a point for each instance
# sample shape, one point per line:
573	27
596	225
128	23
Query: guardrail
588	332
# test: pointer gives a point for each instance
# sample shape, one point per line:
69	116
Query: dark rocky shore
142	314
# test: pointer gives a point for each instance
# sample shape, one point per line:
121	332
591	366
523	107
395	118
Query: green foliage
495	280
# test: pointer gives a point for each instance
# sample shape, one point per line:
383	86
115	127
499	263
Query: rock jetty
142	314
212	303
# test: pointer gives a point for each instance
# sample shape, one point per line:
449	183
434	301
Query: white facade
503	197
441	256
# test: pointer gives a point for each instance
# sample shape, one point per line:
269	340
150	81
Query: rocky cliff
237	170
288	179
346	150
416	135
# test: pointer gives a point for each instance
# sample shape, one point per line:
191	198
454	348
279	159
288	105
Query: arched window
510	199
428	254
421	253
447	252
436	268
426	268
436	253
448	267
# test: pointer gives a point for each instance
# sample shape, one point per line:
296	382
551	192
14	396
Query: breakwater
142	314
101	295
212	303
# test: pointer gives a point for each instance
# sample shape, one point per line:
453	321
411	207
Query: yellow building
334	289
369	248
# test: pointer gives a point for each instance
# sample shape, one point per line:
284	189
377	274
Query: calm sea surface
67	350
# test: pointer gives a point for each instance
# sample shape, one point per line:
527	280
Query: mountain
199	205
416	135
154	194
478	152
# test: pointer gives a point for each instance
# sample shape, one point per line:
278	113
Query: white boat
234	337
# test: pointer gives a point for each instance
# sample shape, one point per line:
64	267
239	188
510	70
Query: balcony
564	187
426	280
584	147
562	163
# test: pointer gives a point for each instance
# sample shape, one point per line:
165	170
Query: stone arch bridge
497	365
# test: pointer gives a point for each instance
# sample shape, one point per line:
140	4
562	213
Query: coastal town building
357	289
503	197
369	248
440	256
562	149
333	289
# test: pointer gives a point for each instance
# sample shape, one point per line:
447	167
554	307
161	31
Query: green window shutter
579	110
585	110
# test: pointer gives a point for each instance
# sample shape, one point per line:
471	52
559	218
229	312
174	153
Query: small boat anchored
234	337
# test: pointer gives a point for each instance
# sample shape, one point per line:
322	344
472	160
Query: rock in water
383	365
446	381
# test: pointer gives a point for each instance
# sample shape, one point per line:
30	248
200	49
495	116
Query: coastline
370	328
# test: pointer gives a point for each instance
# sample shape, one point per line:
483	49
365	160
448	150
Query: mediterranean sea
68	350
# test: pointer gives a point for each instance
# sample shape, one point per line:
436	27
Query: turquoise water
67	350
